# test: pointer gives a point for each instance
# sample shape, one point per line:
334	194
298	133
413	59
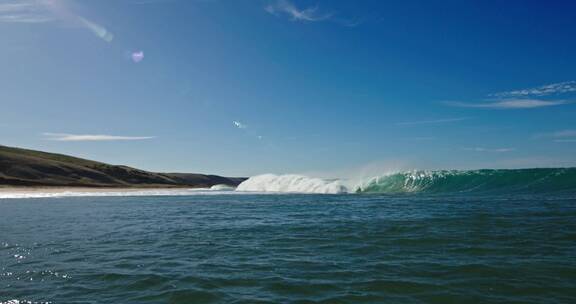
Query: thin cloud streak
421	138
285	7
558	134
436	121
24	11
11	7
150	1
92	137
549	89
497	150
523	99
41	11
349	22
512	104
24	18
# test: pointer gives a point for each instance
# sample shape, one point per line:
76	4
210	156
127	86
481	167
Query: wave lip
291	183
540	180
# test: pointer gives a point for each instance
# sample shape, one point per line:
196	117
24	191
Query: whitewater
292	183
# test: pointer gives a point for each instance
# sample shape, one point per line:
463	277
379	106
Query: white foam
222	188
23	302
291	183
152	192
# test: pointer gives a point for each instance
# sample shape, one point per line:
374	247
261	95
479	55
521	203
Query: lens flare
138	56
97	29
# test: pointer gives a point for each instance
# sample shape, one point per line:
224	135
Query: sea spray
291	183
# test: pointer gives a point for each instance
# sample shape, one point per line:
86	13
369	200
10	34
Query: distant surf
69	192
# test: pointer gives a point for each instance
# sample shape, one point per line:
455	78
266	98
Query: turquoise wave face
545	180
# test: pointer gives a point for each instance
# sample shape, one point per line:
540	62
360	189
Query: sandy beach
39	192
55	190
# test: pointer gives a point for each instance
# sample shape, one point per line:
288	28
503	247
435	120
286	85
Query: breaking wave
291	183
489	181
546	180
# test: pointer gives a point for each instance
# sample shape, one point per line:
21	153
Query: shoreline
59	190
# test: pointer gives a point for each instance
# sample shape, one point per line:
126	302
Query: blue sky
248	87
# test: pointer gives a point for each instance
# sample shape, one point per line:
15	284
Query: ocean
492	241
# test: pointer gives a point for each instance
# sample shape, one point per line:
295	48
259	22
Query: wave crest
291	183
487	181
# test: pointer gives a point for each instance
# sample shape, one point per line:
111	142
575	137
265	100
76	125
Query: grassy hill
22	167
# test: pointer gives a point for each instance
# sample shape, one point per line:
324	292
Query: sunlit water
288	249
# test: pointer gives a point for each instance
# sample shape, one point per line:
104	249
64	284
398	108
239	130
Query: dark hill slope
22	167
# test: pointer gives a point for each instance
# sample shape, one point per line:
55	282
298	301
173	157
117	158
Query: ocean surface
288	248
241	247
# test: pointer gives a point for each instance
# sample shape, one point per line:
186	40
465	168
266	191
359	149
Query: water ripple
288	249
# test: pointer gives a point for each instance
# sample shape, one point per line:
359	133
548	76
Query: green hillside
22	167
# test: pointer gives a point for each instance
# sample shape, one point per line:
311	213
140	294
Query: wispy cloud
150	1
421	138
563	136
41	11
512	104
434	121
239	125
495	150
24	11
349	22
523	99
91	137
153	2
558	134
549	89
287	8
